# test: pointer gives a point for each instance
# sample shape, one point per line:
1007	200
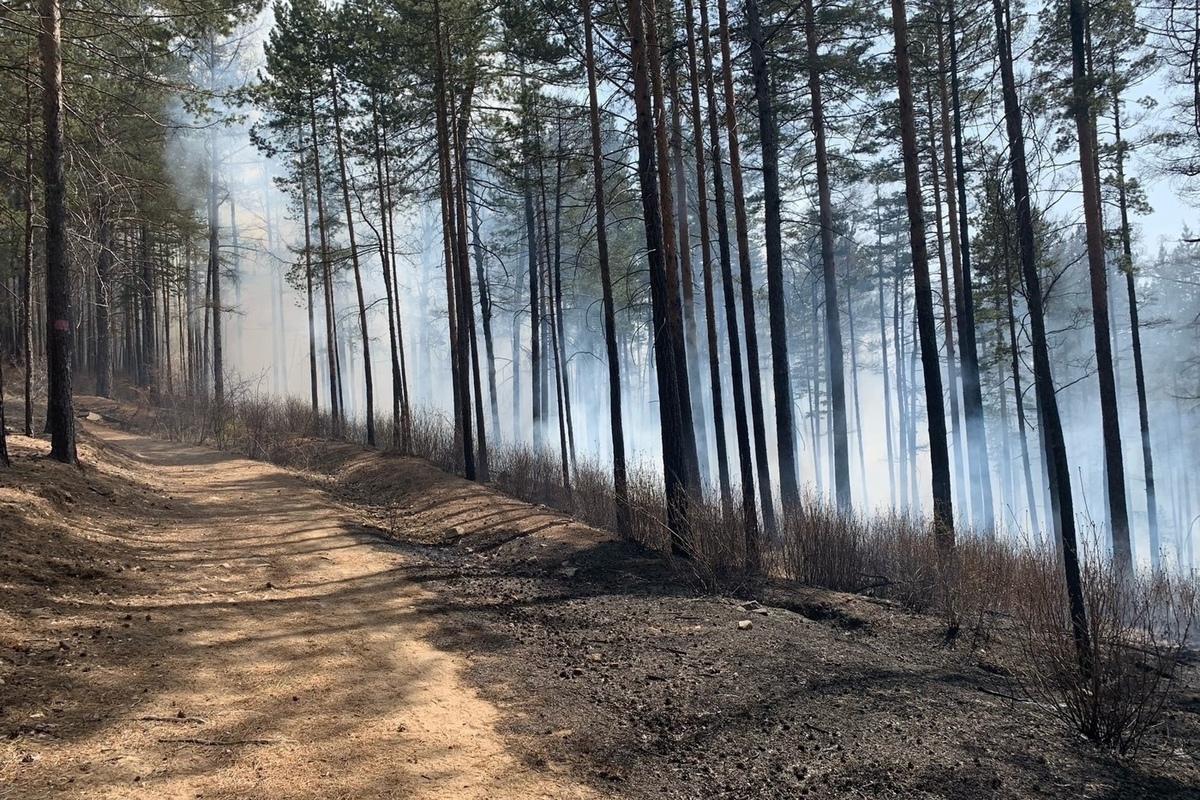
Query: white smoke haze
267	351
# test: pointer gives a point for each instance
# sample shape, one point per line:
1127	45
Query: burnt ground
653	691
610	668
611	659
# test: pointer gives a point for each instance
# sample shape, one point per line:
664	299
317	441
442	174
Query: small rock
763	611
745	625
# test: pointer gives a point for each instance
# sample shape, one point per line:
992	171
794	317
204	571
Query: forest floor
179	622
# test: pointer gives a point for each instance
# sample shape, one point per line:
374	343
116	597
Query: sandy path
285	639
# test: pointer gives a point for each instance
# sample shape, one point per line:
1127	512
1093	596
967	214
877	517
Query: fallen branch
994	693
156	718
223	742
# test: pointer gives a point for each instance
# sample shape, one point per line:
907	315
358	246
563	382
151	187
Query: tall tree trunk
405	402
981	480
1019	399
354	260
385	259
461	115
833	326
883	350
459	339
27	259
485	301
308	283
939	456
681	398
905	458
60	418
673	431
964	490
768	132
617	427
858	426
706	256
686	279
535	313
1138	365
337	411
103	296
1057	467
740	417
741	226
559	331
148	352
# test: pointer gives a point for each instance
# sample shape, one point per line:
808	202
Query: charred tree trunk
671	394
706	255
686	277
681	399
485	303
768	132
833	326
964	300
939	457
617	427
741	226
883	350
1138	365
1057	467
964	490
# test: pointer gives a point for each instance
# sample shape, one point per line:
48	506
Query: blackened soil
610	665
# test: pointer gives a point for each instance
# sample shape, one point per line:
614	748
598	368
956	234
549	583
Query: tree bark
60	418
27	259
706	256
308	282
741	227
616	423
977	456
671	394
1057	467
833	326
1138	364
768	132
939	457
337	414
354	260
103	296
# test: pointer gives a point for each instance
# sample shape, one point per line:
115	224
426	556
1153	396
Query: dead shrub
1138	630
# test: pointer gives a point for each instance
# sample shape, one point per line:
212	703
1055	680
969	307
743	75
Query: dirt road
273	650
